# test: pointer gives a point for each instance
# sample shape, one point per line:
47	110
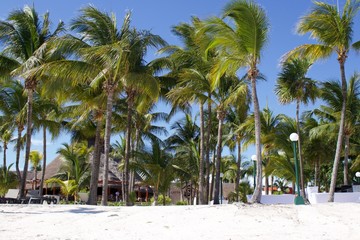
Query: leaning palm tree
293	85
25	39
333	31
241	45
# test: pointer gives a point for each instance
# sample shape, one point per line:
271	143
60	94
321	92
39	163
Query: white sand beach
235	221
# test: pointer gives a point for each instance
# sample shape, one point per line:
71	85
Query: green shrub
161	199
181	203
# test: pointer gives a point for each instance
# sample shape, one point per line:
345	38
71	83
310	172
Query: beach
231	221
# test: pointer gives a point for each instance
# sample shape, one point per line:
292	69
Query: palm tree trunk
220	116
18	149
35	176
341	130
201	163
212	177
44	162
256	198
28	140
95	166
266	185
128	146
109	106
4	159
317	173
208	149
301	162
346	160
238	171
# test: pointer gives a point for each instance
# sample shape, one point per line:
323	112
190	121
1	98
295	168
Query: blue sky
160	15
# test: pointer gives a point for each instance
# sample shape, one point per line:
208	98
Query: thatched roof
114	175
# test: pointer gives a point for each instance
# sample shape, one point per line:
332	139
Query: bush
161	199
181	203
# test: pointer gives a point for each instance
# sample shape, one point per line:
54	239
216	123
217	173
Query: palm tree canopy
292	83
333	30
23	35
242	44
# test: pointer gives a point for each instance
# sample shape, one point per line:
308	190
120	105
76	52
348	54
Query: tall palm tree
35	159
101	61
333	31
293	85
25	39
230	91
193	84
6	135
242	44
331	94
46	116
13	108
139	83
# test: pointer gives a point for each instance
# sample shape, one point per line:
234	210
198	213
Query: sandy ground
235	221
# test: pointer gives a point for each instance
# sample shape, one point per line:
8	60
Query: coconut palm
22	56
193	84
25	39
35	159
230	91
241	45
333	31
331	94
155	167
319	146
293	85
13	108
6	134
74	172
8	180
46	117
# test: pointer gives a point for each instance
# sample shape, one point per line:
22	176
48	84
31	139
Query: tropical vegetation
93	80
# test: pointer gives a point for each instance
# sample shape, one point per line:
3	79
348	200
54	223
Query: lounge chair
34	196
11	196
83	198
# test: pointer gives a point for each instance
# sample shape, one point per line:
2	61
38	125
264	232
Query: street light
357	175
221	187
298	199
254	158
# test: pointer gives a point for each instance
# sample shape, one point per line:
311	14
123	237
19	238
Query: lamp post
298	199
221	187
357	175
253	158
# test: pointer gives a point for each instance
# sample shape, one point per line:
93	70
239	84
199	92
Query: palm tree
236	117
8	180
331	94
333	31
139	84
13	107
293	85
35	159
74	172
193	84
230	91
46	116
25	39
241	46
6	134
319	146
156	169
